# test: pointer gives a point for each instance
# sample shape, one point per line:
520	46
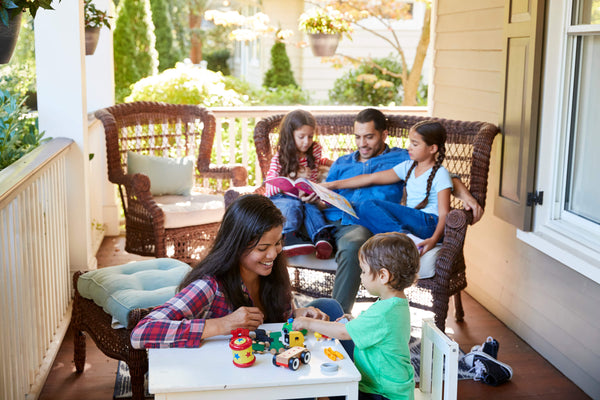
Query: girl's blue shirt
416	187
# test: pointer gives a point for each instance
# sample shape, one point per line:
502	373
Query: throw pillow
167	175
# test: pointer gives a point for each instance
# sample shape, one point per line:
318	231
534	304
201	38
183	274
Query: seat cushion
426	270
167	175
195	209
142	284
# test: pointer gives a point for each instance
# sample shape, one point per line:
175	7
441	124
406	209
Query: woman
241	283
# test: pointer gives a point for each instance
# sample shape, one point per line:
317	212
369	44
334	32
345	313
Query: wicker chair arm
454	240
139	186
136	315
236	173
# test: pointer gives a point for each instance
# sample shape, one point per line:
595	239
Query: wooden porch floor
533	379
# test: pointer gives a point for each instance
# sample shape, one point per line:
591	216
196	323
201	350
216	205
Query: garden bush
186	84
168	53
280	73
368	86
217	60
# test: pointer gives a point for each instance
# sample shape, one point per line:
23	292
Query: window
567	225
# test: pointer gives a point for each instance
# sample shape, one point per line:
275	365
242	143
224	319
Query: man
373	155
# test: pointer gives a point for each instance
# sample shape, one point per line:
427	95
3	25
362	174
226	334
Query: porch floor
533	377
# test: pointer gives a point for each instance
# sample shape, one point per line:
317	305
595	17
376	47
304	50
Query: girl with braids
241	283
298	155
427	192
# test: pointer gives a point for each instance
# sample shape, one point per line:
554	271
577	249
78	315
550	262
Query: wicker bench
468	155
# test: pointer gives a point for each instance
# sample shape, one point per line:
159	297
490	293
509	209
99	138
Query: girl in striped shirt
298	155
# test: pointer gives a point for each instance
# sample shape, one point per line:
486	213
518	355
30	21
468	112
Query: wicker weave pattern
468	148
165	130
115	343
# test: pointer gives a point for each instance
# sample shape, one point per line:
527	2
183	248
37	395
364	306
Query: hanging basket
323	44
8	36
91	40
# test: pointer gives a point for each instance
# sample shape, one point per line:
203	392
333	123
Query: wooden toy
277	344
240	332
292	357
333	354
290	336
241	347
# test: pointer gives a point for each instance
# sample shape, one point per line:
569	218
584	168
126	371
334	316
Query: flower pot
91	40
323	44
9	35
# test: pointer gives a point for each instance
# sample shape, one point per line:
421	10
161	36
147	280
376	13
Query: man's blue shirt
349	165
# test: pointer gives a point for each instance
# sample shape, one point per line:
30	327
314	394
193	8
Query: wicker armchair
115	343
468	148
161	129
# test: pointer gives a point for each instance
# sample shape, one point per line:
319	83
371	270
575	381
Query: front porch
534	377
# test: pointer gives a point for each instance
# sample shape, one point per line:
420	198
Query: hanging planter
324	27
323	44
91	40
9	35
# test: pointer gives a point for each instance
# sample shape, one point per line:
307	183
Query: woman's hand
311	312
244	317
309	198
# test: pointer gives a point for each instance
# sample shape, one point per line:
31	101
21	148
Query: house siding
548	304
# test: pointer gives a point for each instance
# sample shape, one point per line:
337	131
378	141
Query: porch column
62	105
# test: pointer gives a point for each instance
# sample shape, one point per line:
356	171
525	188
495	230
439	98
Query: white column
60	64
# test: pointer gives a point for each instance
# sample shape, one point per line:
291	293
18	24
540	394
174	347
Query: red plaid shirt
180	321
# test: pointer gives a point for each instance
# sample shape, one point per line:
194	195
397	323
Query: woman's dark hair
288	153
395	252
372	114
432	133
244	223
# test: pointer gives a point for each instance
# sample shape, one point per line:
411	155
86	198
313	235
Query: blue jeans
298	213
384	216
334	310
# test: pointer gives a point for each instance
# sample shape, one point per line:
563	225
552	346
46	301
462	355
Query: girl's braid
438	163
404	195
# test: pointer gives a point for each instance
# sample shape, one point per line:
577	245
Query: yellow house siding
549	305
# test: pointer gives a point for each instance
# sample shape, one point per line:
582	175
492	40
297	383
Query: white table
208	373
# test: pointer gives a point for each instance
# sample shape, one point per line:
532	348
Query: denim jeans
384	216
298	213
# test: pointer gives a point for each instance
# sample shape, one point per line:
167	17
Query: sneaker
324	249
294	245
489	370
490	346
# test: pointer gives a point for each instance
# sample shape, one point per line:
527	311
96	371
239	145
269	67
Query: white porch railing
35	289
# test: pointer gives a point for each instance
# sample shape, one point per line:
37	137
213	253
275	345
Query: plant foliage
218	61
19	133
135	56
168	54
95	18
325	20
8	6
366	85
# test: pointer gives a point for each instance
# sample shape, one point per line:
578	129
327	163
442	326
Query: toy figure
291	358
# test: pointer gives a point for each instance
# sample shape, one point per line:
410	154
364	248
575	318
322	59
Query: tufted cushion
195	209
142	284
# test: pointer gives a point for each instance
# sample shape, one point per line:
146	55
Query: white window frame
569	239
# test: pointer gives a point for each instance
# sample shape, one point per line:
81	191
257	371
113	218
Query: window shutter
523	39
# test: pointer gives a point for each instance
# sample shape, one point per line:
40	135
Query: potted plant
324	27
94	20
10	22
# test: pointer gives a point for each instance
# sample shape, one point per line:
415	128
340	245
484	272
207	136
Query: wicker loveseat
163	130
468	155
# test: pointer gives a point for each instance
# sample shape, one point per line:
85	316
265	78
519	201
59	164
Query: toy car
291	358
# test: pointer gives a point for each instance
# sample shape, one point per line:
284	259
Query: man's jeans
384	216
298	213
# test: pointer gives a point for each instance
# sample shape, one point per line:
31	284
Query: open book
293	188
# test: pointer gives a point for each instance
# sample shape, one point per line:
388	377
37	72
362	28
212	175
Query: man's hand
311	312
309	198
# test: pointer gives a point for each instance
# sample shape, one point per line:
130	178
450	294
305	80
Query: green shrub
280	73
135	55
186	84
217	61
168	54
368	86
19	133
284	96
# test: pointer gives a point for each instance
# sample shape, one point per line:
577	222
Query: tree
168	54
386	12
357	12
280	73
134	45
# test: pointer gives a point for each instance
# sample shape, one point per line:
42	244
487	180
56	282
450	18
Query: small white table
208	372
